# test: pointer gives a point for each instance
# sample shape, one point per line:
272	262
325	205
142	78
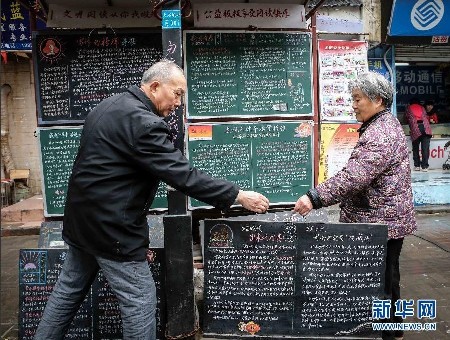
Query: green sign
248	74
58	148
275	159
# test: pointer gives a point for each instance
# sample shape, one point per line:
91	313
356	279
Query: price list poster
336	145
339	63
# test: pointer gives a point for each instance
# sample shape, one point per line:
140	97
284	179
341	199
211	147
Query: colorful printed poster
336	145
339	62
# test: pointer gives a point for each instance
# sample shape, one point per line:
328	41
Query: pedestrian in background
432	113
125	151
375	184
420	132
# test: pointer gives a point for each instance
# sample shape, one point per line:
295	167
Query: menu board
267	278
248	74
76	69
99	315
275	158
58	149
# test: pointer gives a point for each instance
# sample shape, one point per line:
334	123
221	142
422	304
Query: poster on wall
336	145
339	62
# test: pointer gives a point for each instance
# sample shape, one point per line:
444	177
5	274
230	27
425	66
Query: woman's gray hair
374	85
162	71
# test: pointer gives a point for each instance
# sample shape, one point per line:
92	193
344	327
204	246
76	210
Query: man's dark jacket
124	153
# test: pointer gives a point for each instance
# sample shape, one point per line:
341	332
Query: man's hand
303	205
252	201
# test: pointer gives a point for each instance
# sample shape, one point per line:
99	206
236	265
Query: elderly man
125	152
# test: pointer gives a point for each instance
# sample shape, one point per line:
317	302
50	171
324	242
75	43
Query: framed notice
339	62
248	74
275	159
58	149
76	69
272	279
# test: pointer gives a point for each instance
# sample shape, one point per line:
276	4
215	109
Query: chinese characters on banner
15	26
421	82
82	17
245	15
339	62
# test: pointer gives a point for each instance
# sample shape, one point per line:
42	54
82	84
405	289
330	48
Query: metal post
180	300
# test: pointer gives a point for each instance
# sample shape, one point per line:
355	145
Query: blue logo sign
171	19
426	18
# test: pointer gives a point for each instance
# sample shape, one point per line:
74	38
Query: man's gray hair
373	85
161	71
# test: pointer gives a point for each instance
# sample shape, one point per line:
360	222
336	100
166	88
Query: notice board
275	158
76	69
248	74
58	149
268	278
99	316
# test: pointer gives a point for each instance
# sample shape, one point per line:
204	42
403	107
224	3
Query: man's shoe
417	168
425	169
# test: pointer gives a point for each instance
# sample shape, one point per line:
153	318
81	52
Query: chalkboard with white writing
76	69
58	149
99	316
248	74
292	279
273	158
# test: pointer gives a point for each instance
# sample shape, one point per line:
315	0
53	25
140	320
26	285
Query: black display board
99	316
275	159
248	73
58	149
76	69
292	279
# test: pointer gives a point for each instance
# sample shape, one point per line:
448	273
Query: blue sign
420	18
421	82
381	60
171	19
15	25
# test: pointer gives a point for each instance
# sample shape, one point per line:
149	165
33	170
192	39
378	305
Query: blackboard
292	279
99	316
76	69
275	159
58	149
248	74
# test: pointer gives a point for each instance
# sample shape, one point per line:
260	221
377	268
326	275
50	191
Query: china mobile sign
420	18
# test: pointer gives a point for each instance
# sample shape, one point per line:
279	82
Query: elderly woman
375	185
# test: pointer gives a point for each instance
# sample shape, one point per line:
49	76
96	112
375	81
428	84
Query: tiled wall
18	73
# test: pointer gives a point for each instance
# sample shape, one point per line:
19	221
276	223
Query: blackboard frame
273	113
43	120
34	288
159	203
344	259
193	204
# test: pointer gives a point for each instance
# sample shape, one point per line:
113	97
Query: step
28	210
